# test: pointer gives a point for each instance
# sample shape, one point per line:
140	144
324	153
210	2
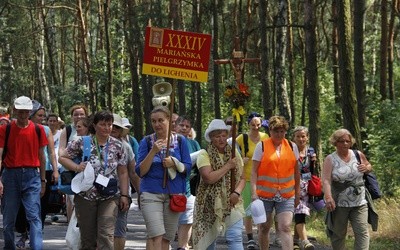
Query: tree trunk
134	51
291	65
349	100
335	60
312	77
384	50
215	47
85	55
109	83
391	50
280	63
359	18
265	67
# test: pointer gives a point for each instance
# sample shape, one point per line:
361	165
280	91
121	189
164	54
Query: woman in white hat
216	204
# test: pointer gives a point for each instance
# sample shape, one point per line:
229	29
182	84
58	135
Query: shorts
280	207
121	223
158	217
186	217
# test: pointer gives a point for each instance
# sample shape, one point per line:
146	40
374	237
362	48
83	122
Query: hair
252	116
340	133
276	122
78	106
85	122
52	115
299	128
103	115
162	109
217	132
183	118
193	132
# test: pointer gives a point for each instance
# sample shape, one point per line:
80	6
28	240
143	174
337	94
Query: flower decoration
237	96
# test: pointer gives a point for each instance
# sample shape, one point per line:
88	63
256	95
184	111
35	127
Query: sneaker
296	246
308	246
251	244
21	242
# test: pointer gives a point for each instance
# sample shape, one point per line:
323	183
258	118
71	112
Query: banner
176	54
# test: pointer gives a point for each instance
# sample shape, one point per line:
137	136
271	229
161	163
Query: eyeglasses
344	141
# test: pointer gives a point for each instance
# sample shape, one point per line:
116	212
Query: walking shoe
21	242
251	244
307	245
296	246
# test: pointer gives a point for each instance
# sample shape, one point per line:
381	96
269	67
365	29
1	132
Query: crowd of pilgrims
264	166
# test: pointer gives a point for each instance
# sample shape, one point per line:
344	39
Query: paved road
54	234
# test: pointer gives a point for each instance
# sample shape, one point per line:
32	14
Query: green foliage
383	144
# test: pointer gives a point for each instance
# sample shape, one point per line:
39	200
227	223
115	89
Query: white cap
258	212
83	181
118	122
23	102
125	123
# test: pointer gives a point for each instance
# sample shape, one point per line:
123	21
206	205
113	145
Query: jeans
233	236
22	185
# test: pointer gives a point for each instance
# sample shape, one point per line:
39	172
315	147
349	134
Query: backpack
66	176
245	144
370	180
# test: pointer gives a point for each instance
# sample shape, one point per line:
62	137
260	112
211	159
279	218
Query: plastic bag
73	236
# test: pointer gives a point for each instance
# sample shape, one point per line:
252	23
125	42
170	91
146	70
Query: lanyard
99	153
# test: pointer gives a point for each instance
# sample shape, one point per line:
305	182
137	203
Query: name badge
102	180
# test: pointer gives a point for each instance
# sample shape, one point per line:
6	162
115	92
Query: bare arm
63	141
365	166
52	156
123	187
211	176
42	158
326	183
253	179
134	178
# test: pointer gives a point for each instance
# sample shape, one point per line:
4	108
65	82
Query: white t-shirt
258	151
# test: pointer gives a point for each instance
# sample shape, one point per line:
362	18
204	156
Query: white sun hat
83	181
126	123
216	124
258	212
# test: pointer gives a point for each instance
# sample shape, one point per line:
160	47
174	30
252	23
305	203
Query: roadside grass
387	236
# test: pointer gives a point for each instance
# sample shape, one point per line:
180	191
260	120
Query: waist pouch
110	190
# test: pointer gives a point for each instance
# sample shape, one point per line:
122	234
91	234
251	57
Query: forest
322	64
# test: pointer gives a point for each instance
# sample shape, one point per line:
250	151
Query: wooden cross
237	62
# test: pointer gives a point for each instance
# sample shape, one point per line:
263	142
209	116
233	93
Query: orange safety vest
276	174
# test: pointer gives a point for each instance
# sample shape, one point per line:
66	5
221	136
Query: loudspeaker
162	89
4	108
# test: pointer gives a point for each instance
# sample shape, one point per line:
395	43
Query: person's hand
42	188
254	197
231	163
158	145
233	199
1	188
168	162
363	168
245	160
80	167
124	203
296	201
330	203
55	177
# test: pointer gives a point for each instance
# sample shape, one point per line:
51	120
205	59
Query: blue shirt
152	181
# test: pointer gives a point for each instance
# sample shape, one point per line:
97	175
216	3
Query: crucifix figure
237	62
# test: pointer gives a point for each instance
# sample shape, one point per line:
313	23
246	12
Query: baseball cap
258	212
23	102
